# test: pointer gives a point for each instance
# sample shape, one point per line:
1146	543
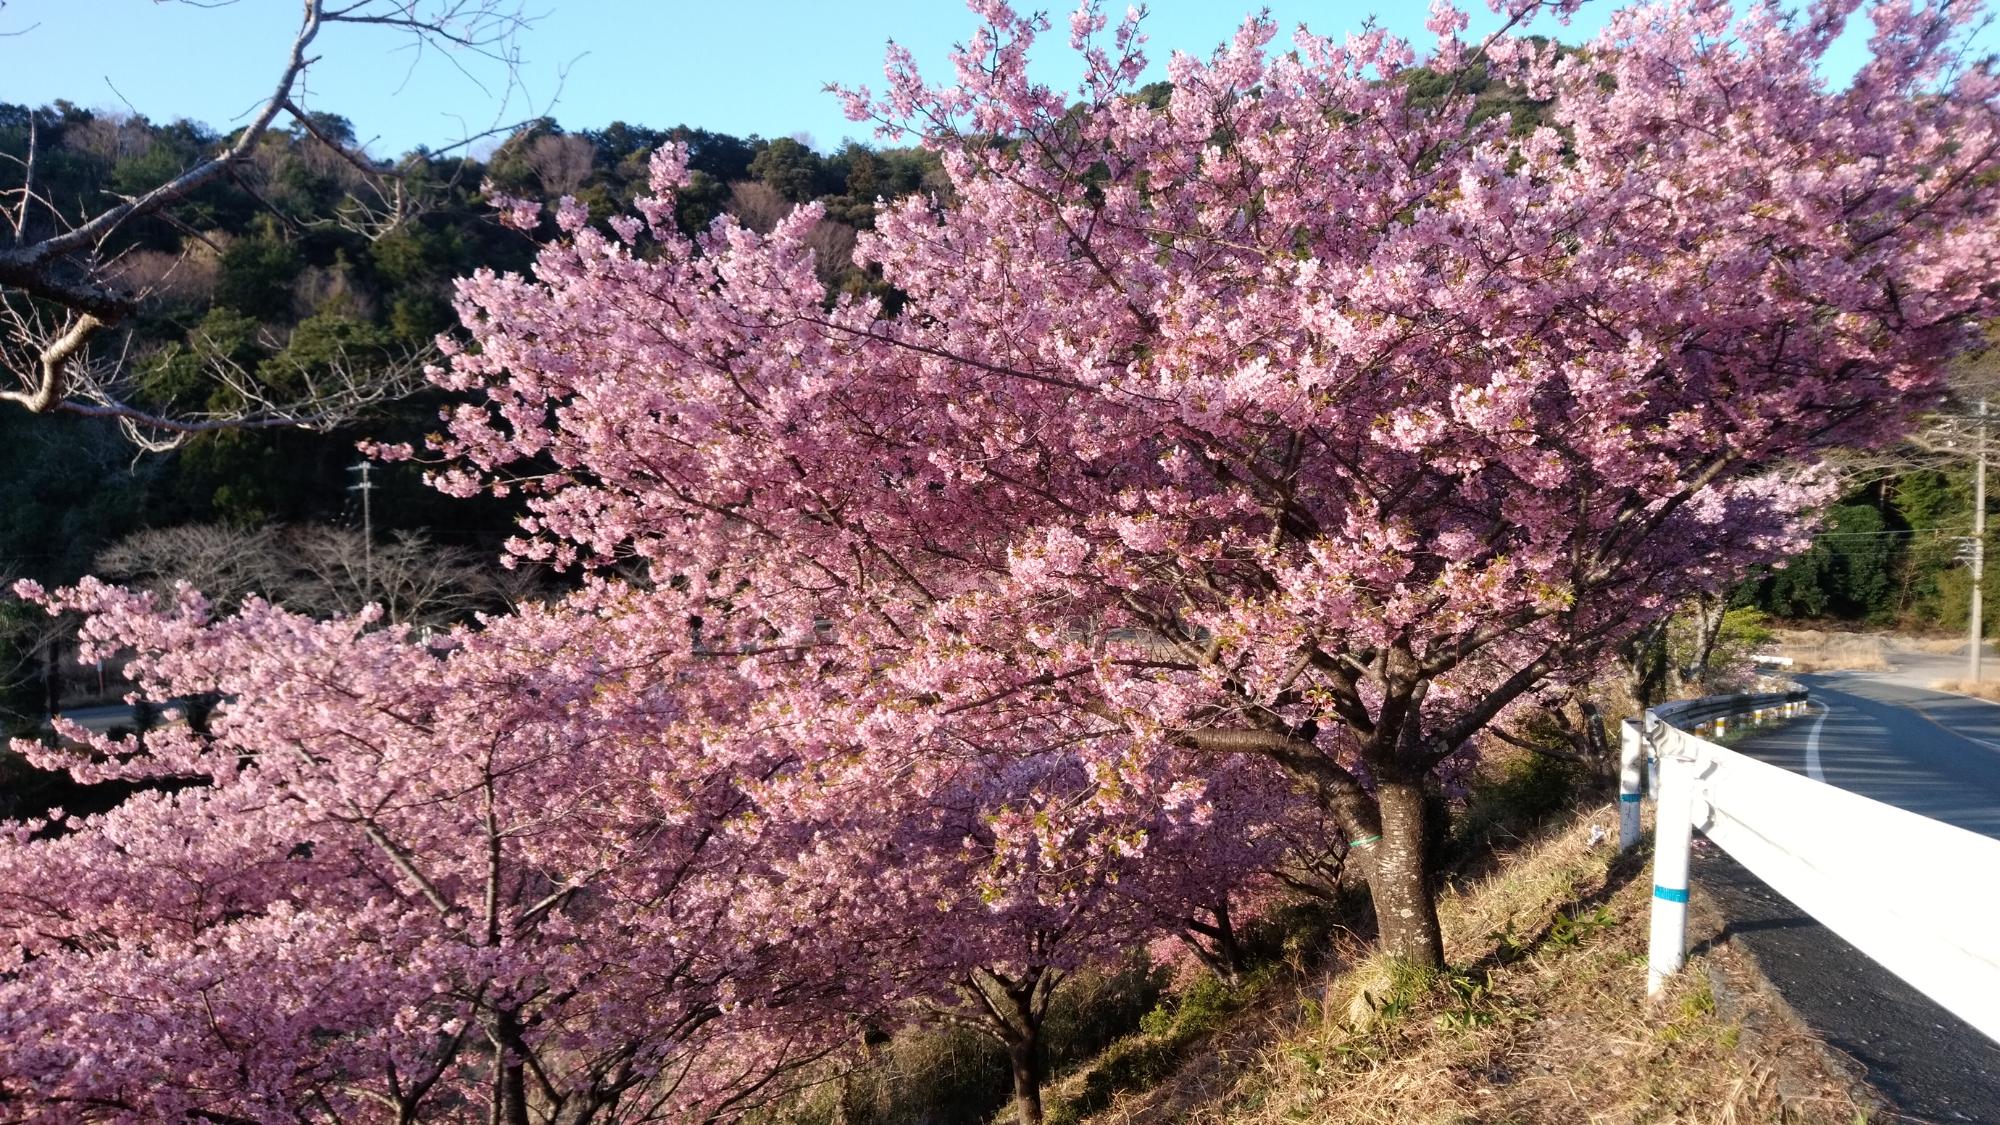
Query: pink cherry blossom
1293	417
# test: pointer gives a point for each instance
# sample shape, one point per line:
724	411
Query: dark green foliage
1846	574
1890	553
22	689
1530	790
792	170
73	488
416	319
701	202
720	155
1928	499
418	258
1097	1008
926	1076
1155	95
1169	1031
180	375
257	273
1491	98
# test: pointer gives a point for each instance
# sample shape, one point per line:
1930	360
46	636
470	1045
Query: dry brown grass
1984	689
1542	1020
1814	650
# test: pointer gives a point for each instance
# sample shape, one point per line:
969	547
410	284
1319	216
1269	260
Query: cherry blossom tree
500	877
1298	416
998	876
559	868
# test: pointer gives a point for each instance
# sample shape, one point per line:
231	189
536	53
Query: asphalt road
101	719
1885	737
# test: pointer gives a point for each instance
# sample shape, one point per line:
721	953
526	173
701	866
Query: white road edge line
1813	769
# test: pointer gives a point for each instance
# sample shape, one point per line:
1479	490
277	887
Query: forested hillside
307	261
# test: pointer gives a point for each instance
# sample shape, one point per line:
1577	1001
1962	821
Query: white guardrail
1913	893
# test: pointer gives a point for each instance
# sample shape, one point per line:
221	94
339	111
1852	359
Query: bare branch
318	571
67	379
61	294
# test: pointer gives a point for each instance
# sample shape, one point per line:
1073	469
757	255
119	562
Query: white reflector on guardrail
1911	892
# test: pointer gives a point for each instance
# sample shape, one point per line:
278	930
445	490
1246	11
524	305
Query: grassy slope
1542	1019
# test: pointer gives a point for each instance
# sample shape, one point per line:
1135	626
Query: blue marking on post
1629	798
1671	894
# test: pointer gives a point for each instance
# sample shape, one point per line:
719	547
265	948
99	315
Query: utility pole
366	487
1978	546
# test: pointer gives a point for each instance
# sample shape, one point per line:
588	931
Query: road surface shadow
1928	1063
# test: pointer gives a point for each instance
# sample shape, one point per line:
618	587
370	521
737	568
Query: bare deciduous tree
832	245
111	137
757	206
321	395
187	276
760	207
31	643
561	161
59	276
1949	436
320	571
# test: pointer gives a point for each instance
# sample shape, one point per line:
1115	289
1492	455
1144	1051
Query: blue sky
748	66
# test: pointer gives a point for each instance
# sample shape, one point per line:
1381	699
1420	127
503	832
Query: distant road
100	719
1889	737
1921	750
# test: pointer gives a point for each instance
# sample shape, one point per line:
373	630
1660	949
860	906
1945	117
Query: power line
1915	531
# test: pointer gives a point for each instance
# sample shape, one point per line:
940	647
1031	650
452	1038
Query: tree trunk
1025	1056
1603	763
1646	666
1399	879
514	1094
510	1072
52	679
1215	945
1710	609
1228	950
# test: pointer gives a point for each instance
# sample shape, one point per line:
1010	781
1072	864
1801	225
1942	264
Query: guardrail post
1631	777
1672	831
1651	731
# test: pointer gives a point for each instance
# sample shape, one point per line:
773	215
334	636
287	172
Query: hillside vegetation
1536	1020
